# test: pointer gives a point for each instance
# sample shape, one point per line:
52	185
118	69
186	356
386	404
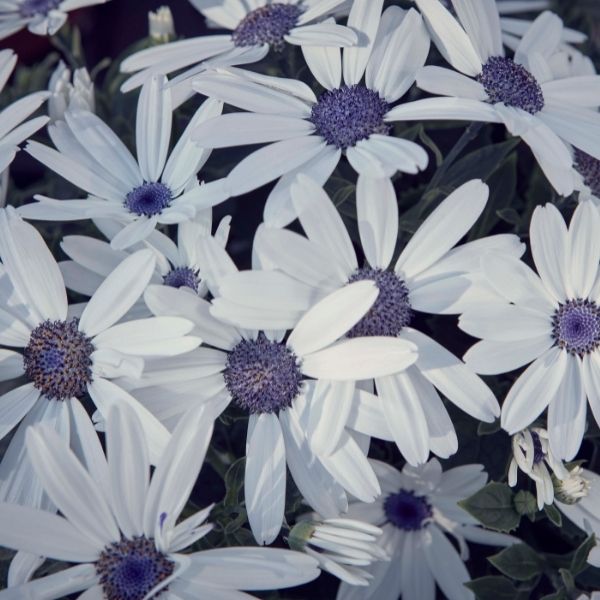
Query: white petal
11	365
456	109
578	91
542	37
584	249
445	82
324	34
14	405
136	231
325	63
482	24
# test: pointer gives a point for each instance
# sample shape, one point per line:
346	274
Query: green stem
65	52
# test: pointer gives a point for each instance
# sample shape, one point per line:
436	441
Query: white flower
341	546
552	319
256	27
177	265
417	510
532	455
119	526
547	113
12	129
62	357
138	193
65	94
310	134
42	17
272	380
160	24
430	276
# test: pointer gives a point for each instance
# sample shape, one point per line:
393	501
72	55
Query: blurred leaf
518	562
553	514
493	506
525	503
579	561
234	481
493	588
488	428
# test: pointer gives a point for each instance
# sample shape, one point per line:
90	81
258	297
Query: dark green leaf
525	503
553	514
510	215
493	506
518	562
493	588
488	428
579	561
234	480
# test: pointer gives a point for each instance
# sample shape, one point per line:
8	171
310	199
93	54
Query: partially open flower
69	93
160	24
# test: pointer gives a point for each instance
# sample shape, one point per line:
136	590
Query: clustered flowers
326	382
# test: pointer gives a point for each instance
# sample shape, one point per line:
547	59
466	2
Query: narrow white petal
482	24
584	249
446	82
11	365
542	37
14	405
325	63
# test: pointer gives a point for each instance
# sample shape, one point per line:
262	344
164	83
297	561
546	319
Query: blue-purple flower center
589	168
576	326
538	452
348	114
262	376
267	25
391	312
182	277
30	8
406	510
508	82
148	199
57	359
130	569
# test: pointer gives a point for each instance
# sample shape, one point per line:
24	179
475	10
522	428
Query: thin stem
65	51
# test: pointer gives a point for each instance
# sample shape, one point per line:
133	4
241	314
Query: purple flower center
58	361
538	452
406	510
182	277
267	25
508	82
576	326
30	8
129	569
348	114
589	168
391	312
262	376
148	199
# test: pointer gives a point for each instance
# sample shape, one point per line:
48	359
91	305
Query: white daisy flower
42	17
161	27
310	134
341	546
177	264
13	130
430	276
552	319
272	380
119	525
533	456
256	27
417	511
546	112
139	194
66	93
64	358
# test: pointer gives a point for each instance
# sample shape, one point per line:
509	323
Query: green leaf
488	428
493	506
518	562
553	514
568	580
579	561
525	503
493	587
234	480
560	595
510	215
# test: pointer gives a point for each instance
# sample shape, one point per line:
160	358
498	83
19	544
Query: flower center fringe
129	569
589	168
407	511
391	312
267	25
182	277
30	8
148	199
512	84
576	326
262	376
58	359
348	114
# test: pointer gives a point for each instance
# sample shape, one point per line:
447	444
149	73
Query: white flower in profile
341	546
551	320
161	27
13	130
272	377
533	456
66	93
138	193
119	525
42	17
177	264
430	275
417	511
256	27
309	134
548	113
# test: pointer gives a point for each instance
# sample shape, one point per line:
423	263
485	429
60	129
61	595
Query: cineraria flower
552	319
310	134
546	112
138	194
417	511
177	265
66	95
430	276
42	17
12	129
256	27
532	455
273	380
63	358
341	546
119	525
160	24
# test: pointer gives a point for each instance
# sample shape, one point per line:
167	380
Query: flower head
76	93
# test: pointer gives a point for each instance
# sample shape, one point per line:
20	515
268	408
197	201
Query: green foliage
493	505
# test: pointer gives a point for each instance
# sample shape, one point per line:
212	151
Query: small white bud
160	24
